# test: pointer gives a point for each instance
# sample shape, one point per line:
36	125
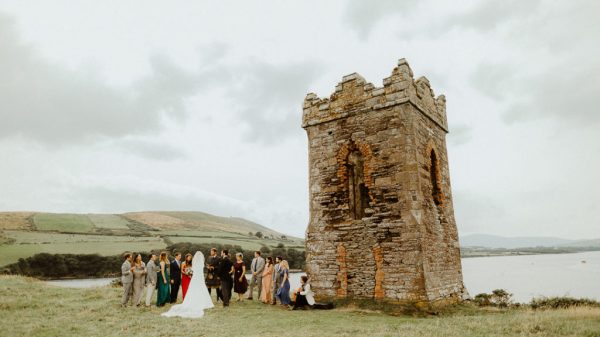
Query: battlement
354	95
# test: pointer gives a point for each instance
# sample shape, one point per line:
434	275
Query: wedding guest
163	295
139	279
304	297
152	271
225	271
175	277
256	267
283	294
276	278
127	279
186	274
267	282
212	278
240	283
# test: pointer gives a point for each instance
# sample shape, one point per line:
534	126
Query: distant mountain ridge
496	241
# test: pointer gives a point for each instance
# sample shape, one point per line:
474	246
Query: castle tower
381	217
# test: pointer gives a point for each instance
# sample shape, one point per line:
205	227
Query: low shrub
498	298
561	302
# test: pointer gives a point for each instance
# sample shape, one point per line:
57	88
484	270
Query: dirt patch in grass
16	220
156	220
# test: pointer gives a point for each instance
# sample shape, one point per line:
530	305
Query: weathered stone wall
377	227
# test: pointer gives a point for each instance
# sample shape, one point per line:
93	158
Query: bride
197	297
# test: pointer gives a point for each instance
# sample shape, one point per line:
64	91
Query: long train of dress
197	298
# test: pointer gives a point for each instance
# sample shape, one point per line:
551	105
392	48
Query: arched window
358	199
434	173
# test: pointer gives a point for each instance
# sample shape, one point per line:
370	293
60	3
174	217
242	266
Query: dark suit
176	279
212	275
225	266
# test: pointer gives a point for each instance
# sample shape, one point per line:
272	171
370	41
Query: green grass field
21	237
78	223
31	308
12	253
108	221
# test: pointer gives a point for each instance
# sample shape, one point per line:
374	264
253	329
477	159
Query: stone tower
381	218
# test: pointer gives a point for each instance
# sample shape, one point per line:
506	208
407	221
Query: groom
175	277
224	273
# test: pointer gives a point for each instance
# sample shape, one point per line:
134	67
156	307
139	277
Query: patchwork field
63	222
25	234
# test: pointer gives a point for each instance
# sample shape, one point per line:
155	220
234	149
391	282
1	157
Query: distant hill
199	221
135	221
583	243
24	234
496	241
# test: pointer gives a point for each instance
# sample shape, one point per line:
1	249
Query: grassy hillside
43	310
23	234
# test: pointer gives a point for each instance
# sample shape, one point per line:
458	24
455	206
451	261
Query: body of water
525	276
82	283
528	276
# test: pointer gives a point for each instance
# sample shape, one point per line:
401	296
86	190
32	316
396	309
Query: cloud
149	148
549	73
563	91
363	16
460	134
119	194
54	105
57	106
482	215
268	98
568	95
490	14
109	194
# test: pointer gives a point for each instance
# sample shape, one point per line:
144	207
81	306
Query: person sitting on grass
304	297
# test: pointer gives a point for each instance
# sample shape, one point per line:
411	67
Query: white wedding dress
197	297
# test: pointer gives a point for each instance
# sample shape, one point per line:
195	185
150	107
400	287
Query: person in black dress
225	271
240	283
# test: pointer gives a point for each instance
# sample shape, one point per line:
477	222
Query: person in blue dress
283	293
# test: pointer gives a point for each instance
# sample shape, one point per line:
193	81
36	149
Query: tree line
45	265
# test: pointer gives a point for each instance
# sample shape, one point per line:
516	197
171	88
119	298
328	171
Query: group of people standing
159	273
271	278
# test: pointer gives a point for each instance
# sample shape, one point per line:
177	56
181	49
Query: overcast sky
119	106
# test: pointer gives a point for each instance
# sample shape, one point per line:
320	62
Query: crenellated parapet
353	95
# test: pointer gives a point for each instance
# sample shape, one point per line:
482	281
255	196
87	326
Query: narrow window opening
434	173
358	199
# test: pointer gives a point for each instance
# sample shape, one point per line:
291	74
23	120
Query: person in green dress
163	282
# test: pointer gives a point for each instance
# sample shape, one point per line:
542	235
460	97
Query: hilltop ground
31	308
23	234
